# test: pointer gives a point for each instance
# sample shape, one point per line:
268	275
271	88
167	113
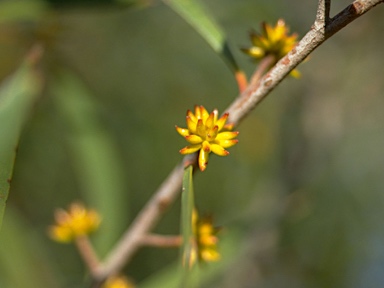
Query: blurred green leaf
94	157
133	3
24	262
22	10
17	95
197	16
188	249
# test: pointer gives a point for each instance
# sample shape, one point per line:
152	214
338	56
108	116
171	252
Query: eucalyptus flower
206	239
75	222
207	133
274	41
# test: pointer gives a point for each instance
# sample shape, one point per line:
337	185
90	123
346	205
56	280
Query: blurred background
300	198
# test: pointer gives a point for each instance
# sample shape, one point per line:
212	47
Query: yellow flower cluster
207	133
75	222
118	282
206	240
273	41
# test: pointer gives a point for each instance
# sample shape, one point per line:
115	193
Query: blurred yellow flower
206	238
118	282
207	133
75	222
273	41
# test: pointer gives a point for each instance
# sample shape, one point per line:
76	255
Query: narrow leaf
188	252
194	13
94	156
17	94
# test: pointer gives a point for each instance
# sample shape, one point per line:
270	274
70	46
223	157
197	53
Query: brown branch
352	12
145	221
239	109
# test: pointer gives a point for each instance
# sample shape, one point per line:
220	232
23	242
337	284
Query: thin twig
238	110
88	254
263	66
161	240
322	15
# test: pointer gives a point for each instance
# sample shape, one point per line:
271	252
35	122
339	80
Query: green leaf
188	249
94	156
196	15
17	94
24	259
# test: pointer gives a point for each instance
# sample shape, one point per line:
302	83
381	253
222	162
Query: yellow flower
273	41
118	282
206	239
208	134
204	242
75	222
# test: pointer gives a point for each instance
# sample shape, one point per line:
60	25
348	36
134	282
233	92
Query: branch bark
322	15
323	28
144	222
